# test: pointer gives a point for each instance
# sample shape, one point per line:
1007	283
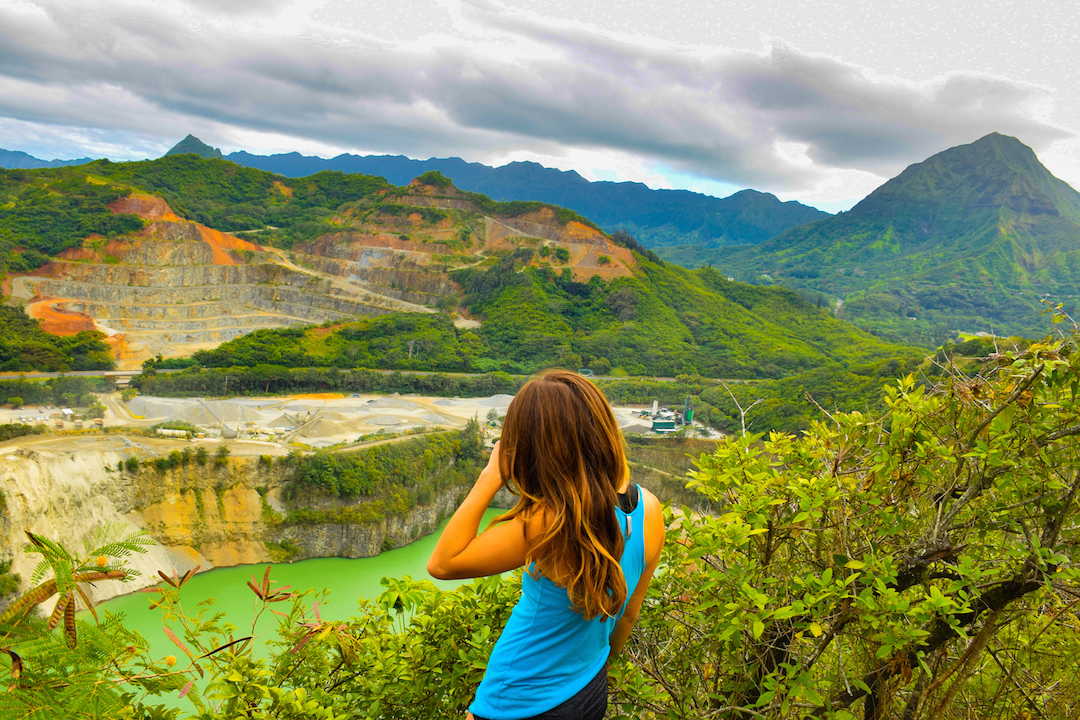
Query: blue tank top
547	653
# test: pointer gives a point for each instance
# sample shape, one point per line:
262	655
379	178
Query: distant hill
655	217
18	160
194	146
971	240
184	250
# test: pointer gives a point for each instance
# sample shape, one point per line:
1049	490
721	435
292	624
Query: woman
588	539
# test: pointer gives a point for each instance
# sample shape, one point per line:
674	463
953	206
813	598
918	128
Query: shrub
221	457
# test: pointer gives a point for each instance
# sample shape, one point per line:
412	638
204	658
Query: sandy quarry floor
278	424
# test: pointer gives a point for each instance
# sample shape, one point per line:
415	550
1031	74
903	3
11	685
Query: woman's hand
491	475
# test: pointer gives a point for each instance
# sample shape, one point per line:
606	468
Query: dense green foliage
256	381
794	403
9	431
230	198
24	346
971	239
367	471
43	212
67	390
667	321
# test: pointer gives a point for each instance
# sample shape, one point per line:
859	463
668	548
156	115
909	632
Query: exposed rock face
199	515
177	286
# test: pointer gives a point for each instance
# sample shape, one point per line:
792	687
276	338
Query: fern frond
39	571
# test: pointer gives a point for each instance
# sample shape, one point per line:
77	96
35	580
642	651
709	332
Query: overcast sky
814	101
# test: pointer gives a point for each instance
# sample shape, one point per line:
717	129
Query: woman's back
548	651
589	562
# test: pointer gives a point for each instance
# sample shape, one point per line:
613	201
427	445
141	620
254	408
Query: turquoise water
347	581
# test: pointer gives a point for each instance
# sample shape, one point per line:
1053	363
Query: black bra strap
628	501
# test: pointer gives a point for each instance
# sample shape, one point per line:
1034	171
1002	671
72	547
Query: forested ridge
664	321
971	239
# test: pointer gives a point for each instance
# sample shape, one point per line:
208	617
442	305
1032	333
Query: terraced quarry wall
176	286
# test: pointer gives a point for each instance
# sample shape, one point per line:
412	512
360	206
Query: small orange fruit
170	660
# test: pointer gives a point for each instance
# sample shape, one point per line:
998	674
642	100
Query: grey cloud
718	114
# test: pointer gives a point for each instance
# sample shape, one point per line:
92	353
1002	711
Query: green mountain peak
996	171
970	239
194	146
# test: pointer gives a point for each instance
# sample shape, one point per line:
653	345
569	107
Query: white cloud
492	83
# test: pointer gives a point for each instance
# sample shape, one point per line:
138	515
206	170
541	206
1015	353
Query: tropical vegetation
916	564
971	240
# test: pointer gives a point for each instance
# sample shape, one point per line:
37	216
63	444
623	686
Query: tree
68	572
15	402
221	457
915	565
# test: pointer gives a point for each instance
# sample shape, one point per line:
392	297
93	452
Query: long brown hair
563	452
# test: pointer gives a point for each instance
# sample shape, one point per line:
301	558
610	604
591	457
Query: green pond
347	580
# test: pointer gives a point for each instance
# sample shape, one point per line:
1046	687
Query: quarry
178	286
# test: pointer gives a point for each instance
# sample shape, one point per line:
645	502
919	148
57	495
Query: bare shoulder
654	524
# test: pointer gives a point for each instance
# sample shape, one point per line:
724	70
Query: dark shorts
589	704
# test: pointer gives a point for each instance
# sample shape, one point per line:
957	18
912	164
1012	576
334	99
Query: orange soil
119	347
283	188
320	396
78	253
147	207
55	319
117	247
580	232
321	331
219	242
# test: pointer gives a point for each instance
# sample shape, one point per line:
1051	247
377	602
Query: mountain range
18	160
183	253
655	217
974	238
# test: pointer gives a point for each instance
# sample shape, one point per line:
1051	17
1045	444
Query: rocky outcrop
354	541
206	515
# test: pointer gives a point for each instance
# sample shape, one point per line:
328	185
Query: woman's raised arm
461	553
